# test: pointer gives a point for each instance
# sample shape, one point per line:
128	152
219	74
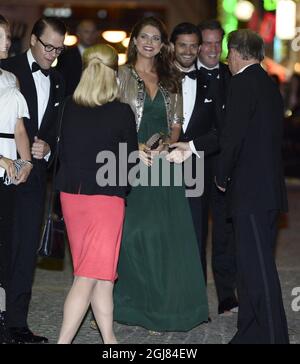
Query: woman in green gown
160	285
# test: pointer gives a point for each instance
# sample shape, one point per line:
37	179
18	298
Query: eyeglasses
49	48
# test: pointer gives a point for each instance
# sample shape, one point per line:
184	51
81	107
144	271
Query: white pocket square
207	100
56	104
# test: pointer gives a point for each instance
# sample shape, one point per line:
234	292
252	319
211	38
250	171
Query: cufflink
207	100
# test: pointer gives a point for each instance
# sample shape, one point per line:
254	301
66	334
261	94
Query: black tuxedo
70	66
250	167
202	131
30	197
223	251
204	128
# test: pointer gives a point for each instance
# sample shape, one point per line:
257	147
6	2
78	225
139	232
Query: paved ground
53	281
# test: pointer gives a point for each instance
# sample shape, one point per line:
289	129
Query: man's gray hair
247	43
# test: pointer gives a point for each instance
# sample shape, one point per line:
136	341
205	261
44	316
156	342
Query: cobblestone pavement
53	281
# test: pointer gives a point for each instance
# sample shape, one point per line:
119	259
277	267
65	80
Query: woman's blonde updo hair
98	84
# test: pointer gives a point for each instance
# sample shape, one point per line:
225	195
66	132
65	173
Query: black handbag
52	243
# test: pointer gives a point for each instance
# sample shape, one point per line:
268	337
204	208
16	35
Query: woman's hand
145	154
8	165
23	174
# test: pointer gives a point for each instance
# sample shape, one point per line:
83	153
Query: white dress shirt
42	85
189	92
13	106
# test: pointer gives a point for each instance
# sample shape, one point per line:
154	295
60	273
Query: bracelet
30	162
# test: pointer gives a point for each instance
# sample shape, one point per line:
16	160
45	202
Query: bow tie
35	67
214	73
192	74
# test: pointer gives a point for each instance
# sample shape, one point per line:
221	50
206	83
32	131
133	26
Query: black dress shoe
5	337
22	335
230	305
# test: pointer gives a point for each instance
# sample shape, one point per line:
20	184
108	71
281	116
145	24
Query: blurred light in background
228	19
297	67
102	14
114	36
244	10
70	40
122	58
125	42
270	5
286	19
58	12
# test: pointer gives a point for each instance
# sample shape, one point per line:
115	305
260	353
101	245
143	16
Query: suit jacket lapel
199	99
54	99
50	100
29	91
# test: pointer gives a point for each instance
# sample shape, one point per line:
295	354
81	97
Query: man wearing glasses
43	90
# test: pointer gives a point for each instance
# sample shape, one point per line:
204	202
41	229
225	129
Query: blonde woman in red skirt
93	121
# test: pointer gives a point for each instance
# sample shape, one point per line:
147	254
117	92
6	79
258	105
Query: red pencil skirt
94	225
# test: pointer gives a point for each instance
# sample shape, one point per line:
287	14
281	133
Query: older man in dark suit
250	171
43	90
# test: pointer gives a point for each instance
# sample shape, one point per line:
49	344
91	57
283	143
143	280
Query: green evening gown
160	285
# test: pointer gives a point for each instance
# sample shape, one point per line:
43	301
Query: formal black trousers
261	317
223	248
7	194
29	210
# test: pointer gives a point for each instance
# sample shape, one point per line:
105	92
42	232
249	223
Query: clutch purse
18	164
154	141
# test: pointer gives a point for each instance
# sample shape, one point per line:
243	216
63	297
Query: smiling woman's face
5	41
148	42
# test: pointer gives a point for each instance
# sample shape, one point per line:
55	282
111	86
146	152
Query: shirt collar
30	58
200	64
185	70
243	69
81	49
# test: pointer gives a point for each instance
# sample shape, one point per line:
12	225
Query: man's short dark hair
210	24
247	43
184	28
55	23
3	20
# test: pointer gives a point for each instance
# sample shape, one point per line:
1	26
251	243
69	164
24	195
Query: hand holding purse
19	164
